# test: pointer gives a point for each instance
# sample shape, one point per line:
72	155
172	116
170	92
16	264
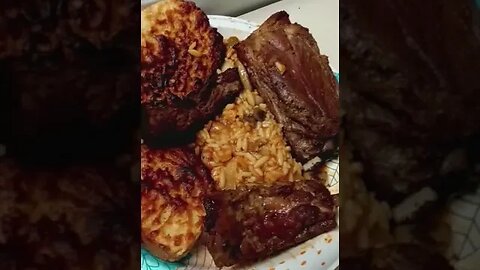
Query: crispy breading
180	51
179	59
174	182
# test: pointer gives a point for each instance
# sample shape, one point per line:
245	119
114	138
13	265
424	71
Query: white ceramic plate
320	253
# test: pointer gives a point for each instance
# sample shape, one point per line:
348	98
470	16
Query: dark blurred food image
69	73
295	80
410	86
174	183
67	218
66	113
69	78
247	225
37	28
409	81
399	257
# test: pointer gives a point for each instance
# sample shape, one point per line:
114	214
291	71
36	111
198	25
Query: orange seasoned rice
245	145
242	151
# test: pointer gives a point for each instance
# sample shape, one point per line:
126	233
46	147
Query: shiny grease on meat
295	80
244	226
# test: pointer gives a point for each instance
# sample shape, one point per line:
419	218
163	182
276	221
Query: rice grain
260	151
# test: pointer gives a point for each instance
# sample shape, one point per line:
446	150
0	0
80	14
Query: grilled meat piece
296	82
247	225
173	185
191	115
411	78
180	56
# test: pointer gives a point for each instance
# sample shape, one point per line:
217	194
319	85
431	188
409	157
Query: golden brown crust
174	183
169	70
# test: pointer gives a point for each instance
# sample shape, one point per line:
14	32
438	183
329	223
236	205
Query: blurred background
225	7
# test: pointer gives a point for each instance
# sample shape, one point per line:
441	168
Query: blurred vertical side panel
411	126
69	98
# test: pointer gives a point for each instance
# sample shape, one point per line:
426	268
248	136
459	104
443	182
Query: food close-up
67	75
239	151
409	159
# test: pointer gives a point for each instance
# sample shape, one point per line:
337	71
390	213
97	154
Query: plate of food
239	152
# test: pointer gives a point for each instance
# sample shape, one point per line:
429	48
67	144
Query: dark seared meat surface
409	83
190	115
303	97
244	226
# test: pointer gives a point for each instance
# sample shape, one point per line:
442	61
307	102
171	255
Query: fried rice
245	144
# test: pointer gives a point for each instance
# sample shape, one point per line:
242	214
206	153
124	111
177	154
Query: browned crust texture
169	71
173	185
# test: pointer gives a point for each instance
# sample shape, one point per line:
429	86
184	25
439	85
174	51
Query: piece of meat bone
296	82
244	225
